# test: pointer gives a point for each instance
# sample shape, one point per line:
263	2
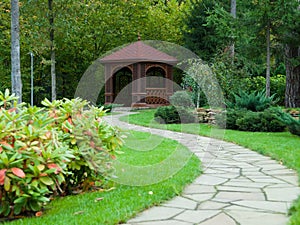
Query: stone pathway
238	186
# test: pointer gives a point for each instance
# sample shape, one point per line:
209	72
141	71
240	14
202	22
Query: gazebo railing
156	96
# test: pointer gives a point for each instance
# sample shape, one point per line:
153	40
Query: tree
292	54
52	50
15	51
233	13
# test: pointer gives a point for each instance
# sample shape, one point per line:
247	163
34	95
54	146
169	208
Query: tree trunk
233	13
52	50
268	69
16	81
292	91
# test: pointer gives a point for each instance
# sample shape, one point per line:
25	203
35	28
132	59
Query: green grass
123	202
282	146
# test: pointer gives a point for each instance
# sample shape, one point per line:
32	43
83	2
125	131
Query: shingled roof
138	52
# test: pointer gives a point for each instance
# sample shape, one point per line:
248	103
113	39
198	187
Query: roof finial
139	36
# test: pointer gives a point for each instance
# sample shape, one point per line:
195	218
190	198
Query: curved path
238	186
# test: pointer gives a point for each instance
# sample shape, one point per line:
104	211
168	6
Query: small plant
292	123
181	98
255	101
51	151
172	114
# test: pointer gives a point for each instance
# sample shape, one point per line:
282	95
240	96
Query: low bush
172	114
50	151
181	98
267	121
228	118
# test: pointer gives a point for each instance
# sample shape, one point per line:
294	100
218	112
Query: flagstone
221	219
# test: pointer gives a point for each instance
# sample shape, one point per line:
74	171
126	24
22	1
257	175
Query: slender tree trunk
292	91
52	50
268	69
233	13
16	81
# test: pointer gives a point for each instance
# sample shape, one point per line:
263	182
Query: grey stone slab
256	218
275	166
199	197
281	172
212	205
267	180
220	219
282	194
227	175
233	196
209	180
243	208
196	216
288	179
199	189
165	222
157	213
237	189
181	202
277	207
246	184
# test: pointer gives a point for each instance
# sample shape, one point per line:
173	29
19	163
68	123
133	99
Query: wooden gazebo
138	75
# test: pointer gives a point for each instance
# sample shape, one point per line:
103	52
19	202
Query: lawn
121	202
281	146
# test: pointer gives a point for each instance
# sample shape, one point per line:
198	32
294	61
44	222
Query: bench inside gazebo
138	75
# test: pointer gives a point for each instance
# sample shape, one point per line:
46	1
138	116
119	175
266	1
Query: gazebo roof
138	52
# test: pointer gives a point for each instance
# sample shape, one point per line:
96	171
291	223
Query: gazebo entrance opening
156	86
122	86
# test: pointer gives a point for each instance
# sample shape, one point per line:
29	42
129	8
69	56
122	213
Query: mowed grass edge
123	201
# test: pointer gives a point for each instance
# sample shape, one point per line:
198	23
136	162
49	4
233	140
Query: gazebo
138	75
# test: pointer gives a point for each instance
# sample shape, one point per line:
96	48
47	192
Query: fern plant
256	101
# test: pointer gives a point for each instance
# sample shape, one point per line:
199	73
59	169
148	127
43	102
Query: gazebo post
139	85
108	85
169	81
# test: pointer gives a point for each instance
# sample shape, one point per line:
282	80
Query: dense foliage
172	114
59	149
181	98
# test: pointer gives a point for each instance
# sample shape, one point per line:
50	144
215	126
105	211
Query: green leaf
34	205
21	200
46	180
18	208
6	184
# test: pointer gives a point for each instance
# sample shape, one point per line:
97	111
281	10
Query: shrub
46	151
255	101
266	121
228	119
172	114
292	124
181	98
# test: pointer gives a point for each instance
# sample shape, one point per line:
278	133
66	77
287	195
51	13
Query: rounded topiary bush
172	114
181	98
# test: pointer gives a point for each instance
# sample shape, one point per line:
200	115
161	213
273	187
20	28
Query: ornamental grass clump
59	149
